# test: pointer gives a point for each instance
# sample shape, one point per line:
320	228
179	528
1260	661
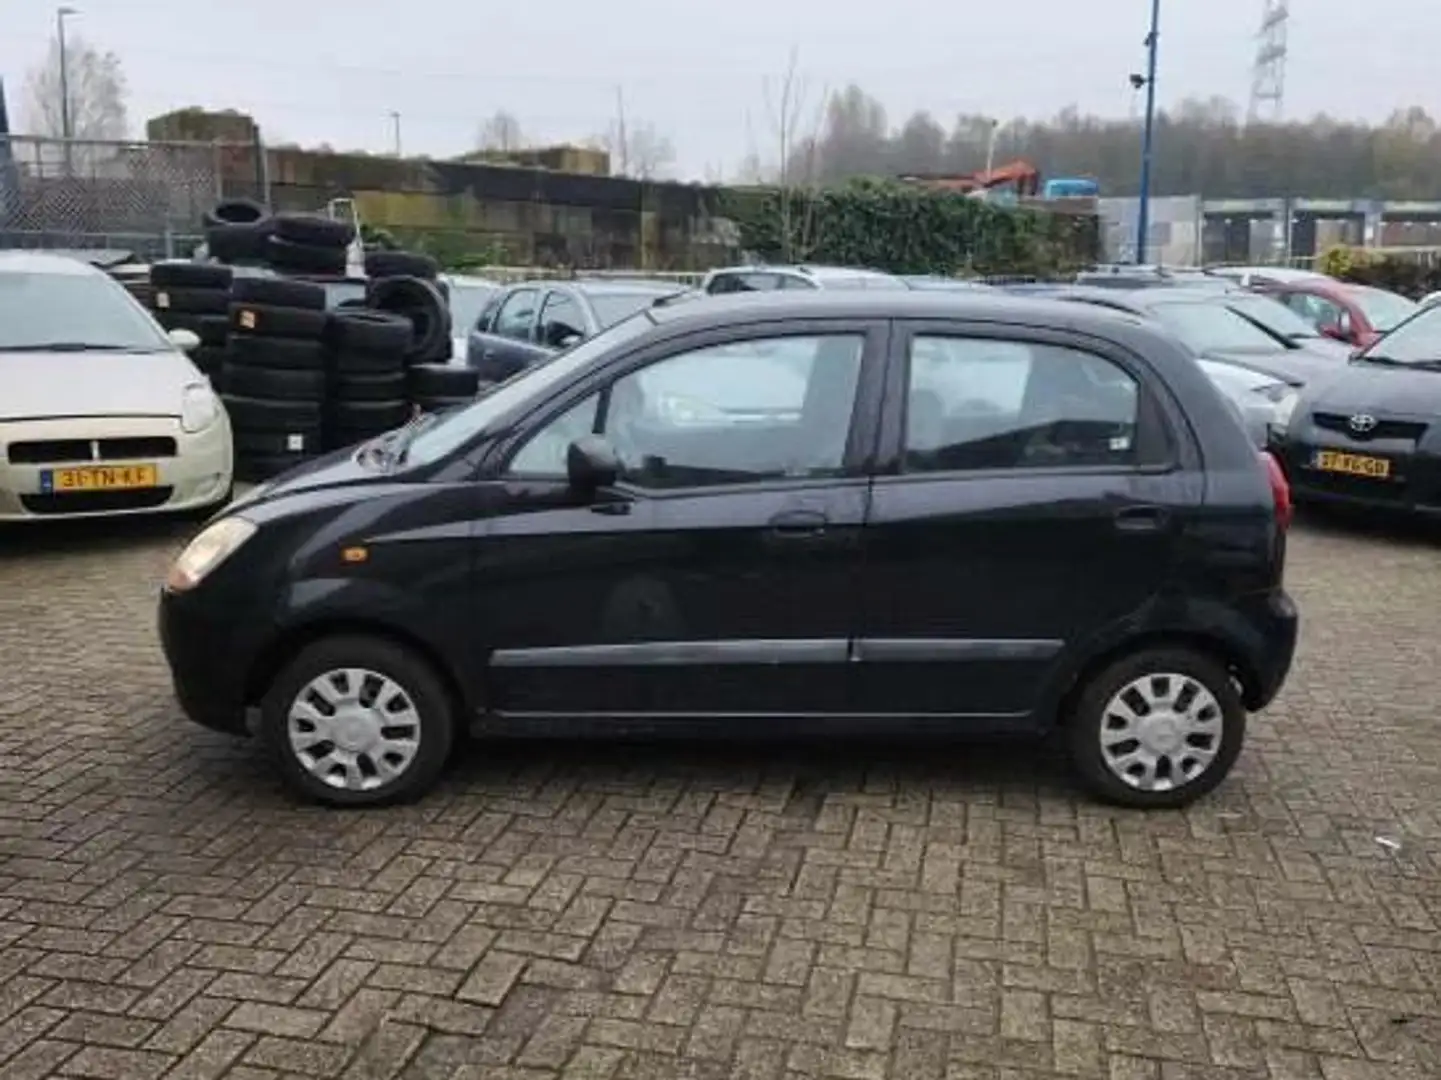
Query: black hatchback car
809	513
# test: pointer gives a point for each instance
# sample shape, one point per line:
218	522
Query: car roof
628	287
979	305
819	271
36	262
1142	299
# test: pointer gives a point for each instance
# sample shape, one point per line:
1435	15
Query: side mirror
184	340
567	340
591	463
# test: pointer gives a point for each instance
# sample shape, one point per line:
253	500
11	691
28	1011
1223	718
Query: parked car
733	279
1256	396
1255	276
1281	321
1131	276
934	282
533	320
101	412
1355	314
468	298
1368	437
971	514
1204	322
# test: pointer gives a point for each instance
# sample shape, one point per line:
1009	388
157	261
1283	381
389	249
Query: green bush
906	229
1410	275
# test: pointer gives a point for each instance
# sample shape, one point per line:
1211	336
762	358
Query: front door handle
798	524
1141	518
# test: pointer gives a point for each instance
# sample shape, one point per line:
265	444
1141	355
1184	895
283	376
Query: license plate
1352	464
98	478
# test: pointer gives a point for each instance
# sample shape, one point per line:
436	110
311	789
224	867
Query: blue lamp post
1143	216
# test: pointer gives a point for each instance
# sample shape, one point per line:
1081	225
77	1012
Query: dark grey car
533	320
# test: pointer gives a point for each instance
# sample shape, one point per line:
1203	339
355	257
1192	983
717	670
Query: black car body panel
881	596
1397	419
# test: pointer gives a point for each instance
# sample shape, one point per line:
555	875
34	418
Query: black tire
257	468
210	329
277	384
304	258
268	414
314	230
298	443
383	386
182	300
1089	717
442	381
266	320
384	264
417	680
270	352
420	302
278	292
241	242
210	359
191	275
363	331
372	416
235	212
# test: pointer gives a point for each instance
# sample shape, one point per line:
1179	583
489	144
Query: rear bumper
1276	622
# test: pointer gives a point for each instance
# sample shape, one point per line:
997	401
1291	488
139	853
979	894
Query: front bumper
1414	486
211	649
196	475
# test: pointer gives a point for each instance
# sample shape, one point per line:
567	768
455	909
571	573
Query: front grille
1410	430
95	502
56	451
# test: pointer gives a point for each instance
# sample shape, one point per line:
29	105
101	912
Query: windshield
466	303
611	308
1383	310
1272	315
450	431
43	310
1415	341
1214	328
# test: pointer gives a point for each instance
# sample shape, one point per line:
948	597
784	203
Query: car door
563	321
509	344
1027	498
719	576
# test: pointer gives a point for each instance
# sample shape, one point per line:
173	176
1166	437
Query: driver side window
517	315
562	322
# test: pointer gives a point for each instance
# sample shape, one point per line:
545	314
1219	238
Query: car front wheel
358	721
1157	729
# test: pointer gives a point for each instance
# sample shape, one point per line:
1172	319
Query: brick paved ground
693	913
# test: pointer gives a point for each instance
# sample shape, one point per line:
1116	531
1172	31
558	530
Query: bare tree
94	88
798	146
637	149
501	133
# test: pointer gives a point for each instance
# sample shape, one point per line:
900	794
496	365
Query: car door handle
798	524
1141	518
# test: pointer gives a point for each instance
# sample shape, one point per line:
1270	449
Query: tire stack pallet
309	244
274	383
195	297
367	376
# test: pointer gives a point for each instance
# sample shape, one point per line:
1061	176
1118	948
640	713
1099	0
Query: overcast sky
315	71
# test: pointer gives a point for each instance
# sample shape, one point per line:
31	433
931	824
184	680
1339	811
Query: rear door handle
1141	518
798	524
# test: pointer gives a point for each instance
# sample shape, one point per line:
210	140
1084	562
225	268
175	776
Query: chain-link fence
142	197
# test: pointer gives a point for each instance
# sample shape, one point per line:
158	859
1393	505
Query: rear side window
982	404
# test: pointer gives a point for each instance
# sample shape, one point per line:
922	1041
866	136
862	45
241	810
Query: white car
1262	400
468	297
101	412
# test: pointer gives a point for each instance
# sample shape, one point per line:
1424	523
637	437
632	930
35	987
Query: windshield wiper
68	346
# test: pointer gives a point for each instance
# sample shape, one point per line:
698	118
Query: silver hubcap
1160	732
354	729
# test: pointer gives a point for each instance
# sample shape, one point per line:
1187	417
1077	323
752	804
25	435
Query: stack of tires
367	397
309	244
436	387
386	264
237	231
274	383
195	297
421	302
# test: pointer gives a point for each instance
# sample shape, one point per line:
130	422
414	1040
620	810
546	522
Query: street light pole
1143	216
395	131
60	16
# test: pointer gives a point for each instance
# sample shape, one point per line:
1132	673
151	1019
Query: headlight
1285	406
215	543
199	408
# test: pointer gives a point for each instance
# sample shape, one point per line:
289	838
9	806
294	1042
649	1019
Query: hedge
907	229
1410	275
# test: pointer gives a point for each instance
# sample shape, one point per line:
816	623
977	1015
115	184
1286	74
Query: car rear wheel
358	721
1157	729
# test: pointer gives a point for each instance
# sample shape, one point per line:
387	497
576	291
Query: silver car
101	412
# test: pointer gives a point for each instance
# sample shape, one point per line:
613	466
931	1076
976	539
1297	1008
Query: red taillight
1280	489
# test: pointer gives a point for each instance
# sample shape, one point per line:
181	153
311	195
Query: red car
1355	314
